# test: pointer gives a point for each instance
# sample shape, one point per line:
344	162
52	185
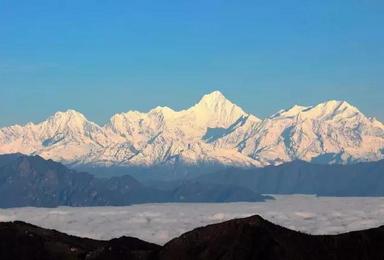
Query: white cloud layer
159	223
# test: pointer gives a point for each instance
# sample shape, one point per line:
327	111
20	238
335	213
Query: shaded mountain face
247	238
213	132
256	238
299	177
33	181
19	240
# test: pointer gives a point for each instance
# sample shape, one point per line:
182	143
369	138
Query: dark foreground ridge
19	240
247	238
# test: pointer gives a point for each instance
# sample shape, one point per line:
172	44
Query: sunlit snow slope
214	131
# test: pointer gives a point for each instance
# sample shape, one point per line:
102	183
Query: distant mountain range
300	177
213	132
33	181
249	238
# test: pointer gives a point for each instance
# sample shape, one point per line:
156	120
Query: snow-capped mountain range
214	131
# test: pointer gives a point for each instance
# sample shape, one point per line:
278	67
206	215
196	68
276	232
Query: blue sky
103	57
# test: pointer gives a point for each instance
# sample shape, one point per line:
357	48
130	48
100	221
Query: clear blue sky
103	57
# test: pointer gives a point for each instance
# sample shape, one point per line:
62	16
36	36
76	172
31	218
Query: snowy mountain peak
165	111
215	96
291	112
215	130
215	110
67	119
215	100
69	114
335	105
328	110
332	109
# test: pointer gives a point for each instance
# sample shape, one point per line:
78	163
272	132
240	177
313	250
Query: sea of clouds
159	223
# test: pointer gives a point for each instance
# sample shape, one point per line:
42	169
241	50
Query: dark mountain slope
256	238
362	179
33	181
19	240
239	239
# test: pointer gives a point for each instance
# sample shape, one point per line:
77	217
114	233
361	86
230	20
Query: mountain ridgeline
33	181
214	132
241	239
361	179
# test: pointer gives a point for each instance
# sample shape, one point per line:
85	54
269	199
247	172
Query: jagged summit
213	100
335	105
214	131
67	116
69	112
215	110
326	110
213	97
331	110
291	112
161	109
